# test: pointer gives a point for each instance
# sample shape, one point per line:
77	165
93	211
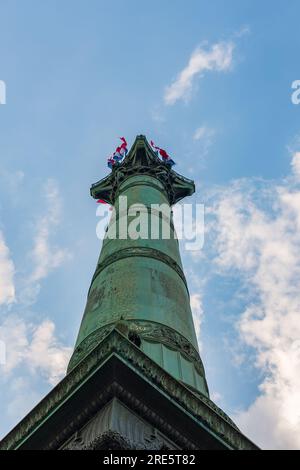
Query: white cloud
46	354
243	31
34	347
157	114
216	397
296	164
7	288
257	237
45	256
23	398
203	132
13	333
217	58
29	351
197	310
204	136
12	180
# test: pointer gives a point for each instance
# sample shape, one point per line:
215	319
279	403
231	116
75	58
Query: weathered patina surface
136	379
116	367
141	280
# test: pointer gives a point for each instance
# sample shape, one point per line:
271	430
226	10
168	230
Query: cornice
202	409
142	160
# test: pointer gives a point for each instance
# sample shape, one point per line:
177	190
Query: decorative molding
115	390
151	331
150	211
107	428
145	252
160	172
202	408
88	344
111	440
142	160
159	333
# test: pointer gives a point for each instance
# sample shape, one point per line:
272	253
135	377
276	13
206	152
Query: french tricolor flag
164	155
110	162
124	149
101	201
121	151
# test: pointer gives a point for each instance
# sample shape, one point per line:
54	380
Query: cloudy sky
211	83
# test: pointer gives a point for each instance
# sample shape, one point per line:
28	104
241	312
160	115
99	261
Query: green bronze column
139	285
135	380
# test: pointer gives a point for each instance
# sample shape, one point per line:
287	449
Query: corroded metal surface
142	279
136	379
152	335
201	408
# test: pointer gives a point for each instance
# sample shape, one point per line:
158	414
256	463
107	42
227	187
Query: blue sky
78	75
